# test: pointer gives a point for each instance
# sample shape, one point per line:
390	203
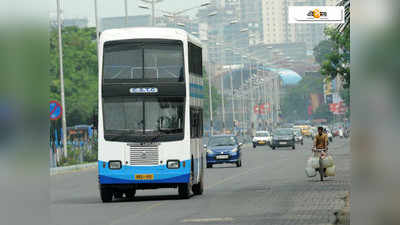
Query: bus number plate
144	177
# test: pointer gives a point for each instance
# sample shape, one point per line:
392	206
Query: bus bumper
144	174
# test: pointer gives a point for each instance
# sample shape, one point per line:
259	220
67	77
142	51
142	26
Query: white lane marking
208	220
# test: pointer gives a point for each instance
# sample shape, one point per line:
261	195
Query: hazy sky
109	8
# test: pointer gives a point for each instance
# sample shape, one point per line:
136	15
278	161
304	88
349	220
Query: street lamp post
153	3
210	100
223	107
173	15
233	100
241	85
60	48
126	13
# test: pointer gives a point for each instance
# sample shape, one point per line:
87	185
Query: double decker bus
150	121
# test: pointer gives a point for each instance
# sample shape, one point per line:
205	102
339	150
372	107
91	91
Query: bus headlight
234	150
114	165
209	151
173	164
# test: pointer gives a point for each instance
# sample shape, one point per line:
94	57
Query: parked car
223	149
298	136
283	137
261	138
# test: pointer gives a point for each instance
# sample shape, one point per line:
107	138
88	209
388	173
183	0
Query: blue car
223	149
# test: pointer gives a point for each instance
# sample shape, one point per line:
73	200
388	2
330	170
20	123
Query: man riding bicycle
321	142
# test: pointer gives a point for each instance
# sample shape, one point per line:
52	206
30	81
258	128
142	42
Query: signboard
55	110
338	108
316	14
143	90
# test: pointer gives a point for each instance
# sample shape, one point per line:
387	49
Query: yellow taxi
305	130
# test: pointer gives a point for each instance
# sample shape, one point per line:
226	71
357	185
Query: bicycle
318	153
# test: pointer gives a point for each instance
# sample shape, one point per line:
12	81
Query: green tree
80	72
296	100
322	50
334	57
337	61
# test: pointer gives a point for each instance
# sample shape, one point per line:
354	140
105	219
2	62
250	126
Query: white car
261	138
298	136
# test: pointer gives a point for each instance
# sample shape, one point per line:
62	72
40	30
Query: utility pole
233	100
64	121
223	107
152	13
97	25
210	99
241	85
126	13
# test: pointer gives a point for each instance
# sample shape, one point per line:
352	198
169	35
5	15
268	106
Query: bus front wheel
106	194
185	189
130	194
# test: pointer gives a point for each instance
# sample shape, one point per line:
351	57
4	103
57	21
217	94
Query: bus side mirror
240	144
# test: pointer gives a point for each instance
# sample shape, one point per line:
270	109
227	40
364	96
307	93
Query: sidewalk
74	168
315	202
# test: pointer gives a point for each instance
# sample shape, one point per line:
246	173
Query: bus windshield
132	118
143	60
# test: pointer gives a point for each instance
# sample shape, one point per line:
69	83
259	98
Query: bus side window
196	123
195	60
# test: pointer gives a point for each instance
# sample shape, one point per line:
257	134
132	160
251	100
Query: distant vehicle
298	136
314	132
283	137
305	129
150	120
223	149
328	132
335	132
261	138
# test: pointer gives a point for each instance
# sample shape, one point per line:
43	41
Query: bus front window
132	119
143	60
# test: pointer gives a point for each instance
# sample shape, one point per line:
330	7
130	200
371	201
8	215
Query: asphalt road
270	188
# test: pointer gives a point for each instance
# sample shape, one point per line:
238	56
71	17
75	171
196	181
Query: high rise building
223	31
251	12
275	22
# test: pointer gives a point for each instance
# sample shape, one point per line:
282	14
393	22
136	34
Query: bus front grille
143	155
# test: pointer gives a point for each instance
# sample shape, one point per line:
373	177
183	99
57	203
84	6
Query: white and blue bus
150	121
